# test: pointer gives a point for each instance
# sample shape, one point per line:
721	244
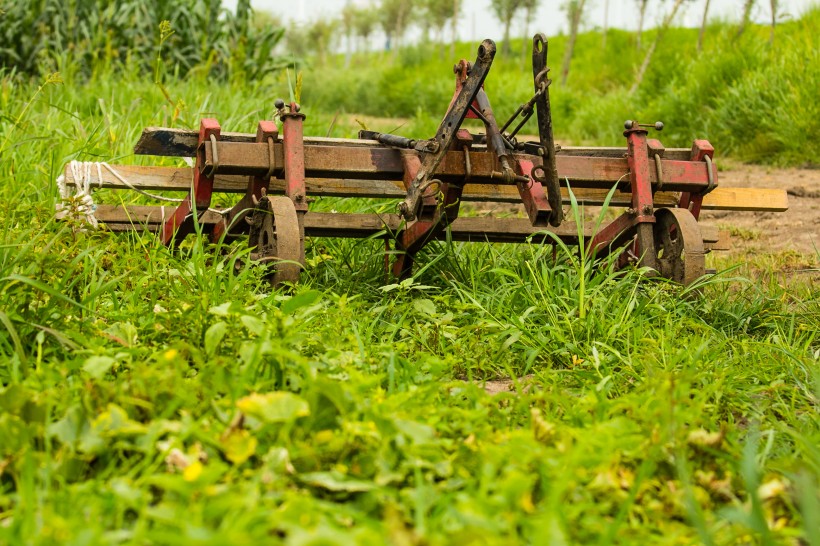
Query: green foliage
84	36
174	398
156	397
753	100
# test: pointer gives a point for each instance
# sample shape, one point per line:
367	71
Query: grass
157	397
756	101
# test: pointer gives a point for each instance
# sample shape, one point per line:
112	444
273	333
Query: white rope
79	205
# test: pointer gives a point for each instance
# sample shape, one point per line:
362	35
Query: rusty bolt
631	211
647	210
279	104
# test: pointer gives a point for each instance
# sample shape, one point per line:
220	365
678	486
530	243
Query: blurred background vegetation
749	88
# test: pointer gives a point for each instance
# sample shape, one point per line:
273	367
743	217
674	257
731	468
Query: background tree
320	36
454	26
774	5
529	7
641	17
505	10
296	41
347	20
364	21
575	10
667	20
702	32
437	13
395	19
748	6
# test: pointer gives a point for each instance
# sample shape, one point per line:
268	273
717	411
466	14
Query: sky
478	22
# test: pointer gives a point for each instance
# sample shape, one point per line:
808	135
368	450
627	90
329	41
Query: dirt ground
755	232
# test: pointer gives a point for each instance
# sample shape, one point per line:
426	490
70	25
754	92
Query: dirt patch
498	386
797	229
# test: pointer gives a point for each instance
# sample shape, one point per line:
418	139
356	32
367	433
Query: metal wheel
274	236
678	246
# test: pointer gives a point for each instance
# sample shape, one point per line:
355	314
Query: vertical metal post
701	149
266	132
294	150
181	222
642	201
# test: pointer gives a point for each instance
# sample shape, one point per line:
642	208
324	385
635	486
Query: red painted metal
266	132
612	235
294	151
461	70
694	201
642	210
181	222
533	195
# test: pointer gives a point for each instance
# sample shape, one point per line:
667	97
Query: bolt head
628	124
659	126
279	104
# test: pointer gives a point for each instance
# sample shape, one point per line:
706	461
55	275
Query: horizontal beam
149	178
325	224
183	142
382	163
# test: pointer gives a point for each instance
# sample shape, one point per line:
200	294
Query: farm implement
278	171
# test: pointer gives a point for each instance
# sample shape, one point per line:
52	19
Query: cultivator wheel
678	246
274	236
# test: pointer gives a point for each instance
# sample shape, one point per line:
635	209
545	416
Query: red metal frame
533	195
700	150
181	222
266	132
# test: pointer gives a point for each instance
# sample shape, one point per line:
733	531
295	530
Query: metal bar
701	149
449	126
642	209
179	179
327	224
541	83
163	141
267	133
386	164
533	195
182	221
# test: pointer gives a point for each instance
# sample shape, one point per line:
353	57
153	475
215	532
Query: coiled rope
79	206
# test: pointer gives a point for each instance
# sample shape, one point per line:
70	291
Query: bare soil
797	229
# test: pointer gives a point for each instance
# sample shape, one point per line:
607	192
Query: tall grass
84	36
754	101
149	396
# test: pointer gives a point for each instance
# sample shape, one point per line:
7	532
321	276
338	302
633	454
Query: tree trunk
454	28
702	32
574	23
773	4
505	48
651	51
642	13
747	13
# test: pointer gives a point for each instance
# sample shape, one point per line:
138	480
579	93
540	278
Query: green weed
150	396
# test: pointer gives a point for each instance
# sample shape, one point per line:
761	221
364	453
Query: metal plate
276	239
679	246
